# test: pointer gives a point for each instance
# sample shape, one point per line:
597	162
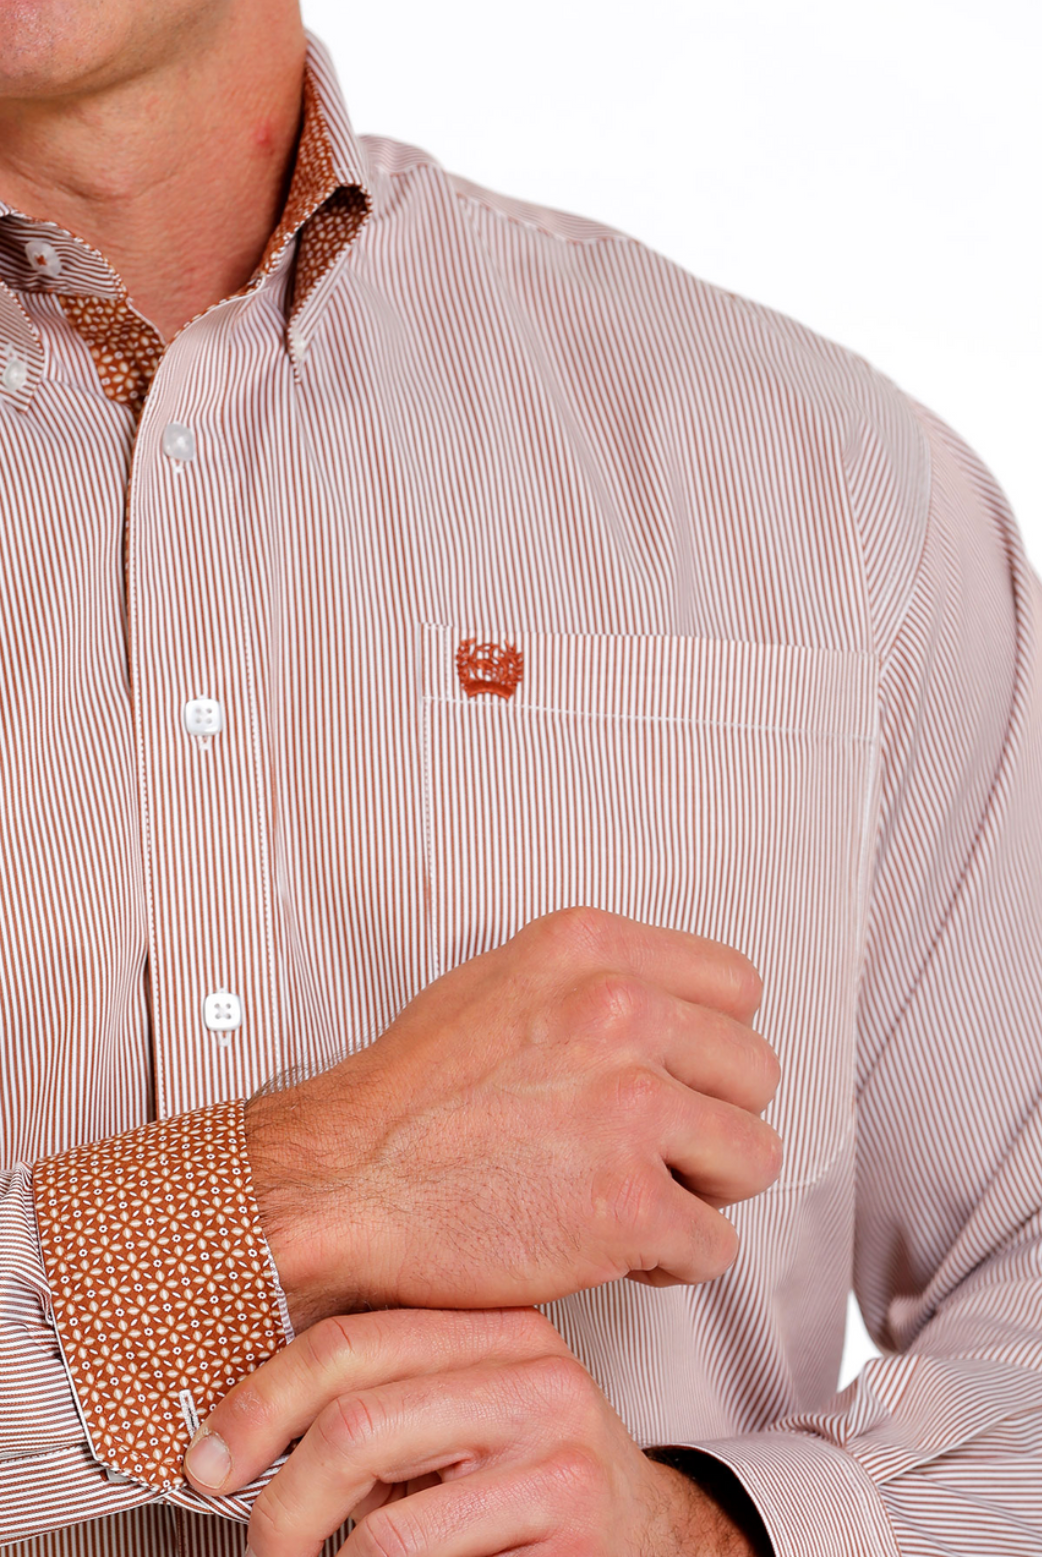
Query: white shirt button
222	1013
297	345
203	716
15	374
43	257
178	442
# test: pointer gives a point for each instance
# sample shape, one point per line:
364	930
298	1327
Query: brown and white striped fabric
780	683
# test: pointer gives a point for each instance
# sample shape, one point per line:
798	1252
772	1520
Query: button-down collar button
222	1013
43	257
15	374
178	442
203	716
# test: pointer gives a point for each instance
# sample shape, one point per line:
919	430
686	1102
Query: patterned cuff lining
162	1288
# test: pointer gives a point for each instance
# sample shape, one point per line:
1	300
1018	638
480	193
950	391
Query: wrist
301	1200
714	1515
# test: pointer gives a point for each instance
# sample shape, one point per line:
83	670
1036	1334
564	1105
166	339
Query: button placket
203	823
21	352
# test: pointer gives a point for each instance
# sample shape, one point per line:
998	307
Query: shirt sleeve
135	1287
935	1449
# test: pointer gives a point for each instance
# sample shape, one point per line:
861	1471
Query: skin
162	133
448	1435
570	1108
574	1107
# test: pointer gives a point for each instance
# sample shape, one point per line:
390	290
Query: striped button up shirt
766	645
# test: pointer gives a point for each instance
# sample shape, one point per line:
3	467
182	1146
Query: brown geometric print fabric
159	1278
328	232
127	349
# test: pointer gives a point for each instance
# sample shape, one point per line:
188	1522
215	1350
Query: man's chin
54	49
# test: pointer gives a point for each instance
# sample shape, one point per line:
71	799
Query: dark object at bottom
724	1488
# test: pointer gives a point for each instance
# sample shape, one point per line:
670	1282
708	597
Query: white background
872	169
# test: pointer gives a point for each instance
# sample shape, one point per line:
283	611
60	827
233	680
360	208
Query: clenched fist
570	1108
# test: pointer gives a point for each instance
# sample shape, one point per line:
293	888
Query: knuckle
620	998
637	1089
387	1532
712	1243
760	1150
579	930
772	1071
755	1060
349	1421
563	1378
773	1151
748	985
248	1406
529	1330
270	1520
573	1470
720	1245
330	1342
625	1198
607	1003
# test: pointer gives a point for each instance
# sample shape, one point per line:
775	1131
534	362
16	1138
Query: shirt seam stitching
680	719
430	165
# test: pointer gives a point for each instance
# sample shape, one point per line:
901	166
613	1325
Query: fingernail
208	1460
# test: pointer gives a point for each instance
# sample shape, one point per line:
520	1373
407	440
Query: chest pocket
708	785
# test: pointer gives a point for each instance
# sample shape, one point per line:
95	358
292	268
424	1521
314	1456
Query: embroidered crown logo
489	667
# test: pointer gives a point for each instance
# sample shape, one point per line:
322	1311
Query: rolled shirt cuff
161	1283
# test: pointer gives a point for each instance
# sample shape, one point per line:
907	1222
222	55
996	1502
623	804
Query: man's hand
570	1108
447	1435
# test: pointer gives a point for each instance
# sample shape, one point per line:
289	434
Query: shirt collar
329	200
346	150
329	165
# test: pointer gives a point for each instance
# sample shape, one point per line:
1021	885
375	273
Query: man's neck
177	174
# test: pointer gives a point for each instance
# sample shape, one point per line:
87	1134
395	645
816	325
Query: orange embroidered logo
489	667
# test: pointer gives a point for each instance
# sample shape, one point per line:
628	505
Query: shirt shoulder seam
604	236
469	196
